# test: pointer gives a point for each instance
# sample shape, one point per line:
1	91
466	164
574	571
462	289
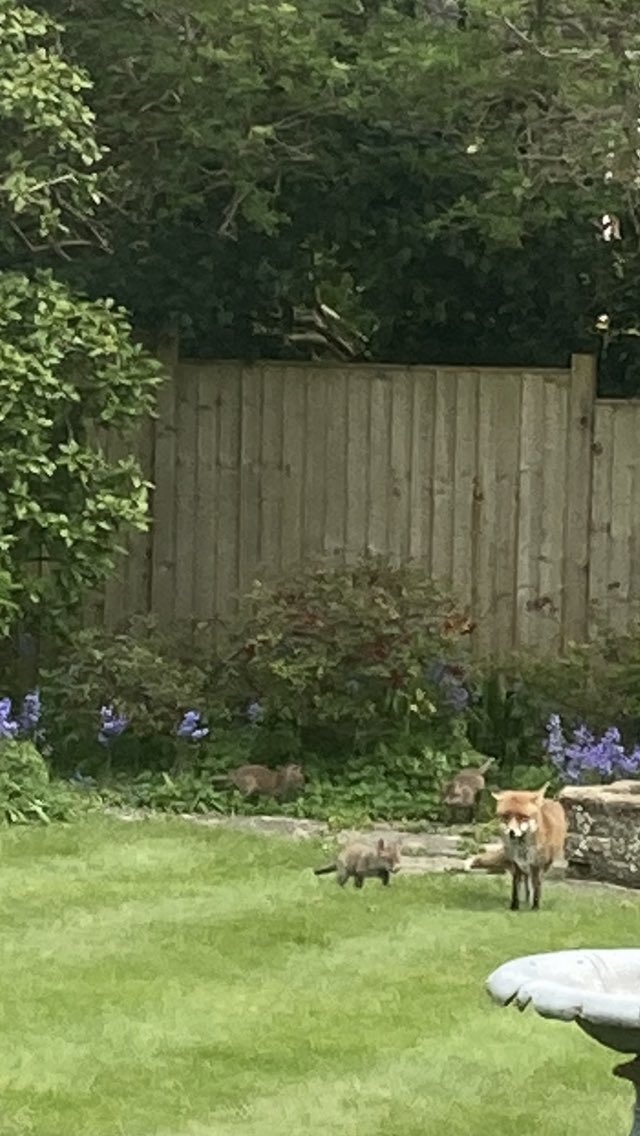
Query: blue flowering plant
26	791
24	724
132	689
585	758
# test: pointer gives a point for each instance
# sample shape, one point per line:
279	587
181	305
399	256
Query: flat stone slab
436	852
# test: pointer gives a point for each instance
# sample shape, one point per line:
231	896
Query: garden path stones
439	851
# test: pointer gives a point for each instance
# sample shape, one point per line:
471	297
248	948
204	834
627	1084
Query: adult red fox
534	831
361	861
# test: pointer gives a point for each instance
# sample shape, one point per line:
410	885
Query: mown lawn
161	979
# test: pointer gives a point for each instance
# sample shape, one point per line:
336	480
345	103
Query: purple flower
111	725
30	713
8	726
255	712
586	756
453	687
191	727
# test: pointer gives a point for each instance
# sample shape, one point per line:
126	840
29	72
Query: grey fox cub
361	861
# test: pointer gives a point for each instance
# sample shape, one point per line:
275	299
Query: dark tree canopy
432	171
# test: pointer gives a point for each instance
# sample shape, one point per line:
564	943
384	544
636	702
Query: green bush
149	677
597	683
27	793
350	656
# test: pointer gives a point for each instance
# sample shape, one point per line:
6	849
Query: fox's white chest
519	839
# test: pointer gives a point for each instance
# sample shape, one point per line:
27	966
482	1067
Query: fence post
582	396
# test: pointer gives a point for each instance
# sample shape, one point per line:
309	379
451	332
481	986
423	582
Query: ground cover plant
167	979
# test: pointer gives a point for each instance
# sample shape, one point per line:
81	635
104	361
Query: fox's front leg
516	879
536	888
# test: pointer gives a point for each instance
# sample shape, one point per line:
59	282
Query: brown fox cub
285	781
361	861
534	831
465	789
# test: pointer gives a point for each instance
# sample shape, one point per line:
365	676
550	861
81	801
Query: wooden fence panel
515	488
614	563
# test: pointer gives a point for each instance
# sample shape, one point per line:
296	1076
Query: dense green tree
68	366
433	170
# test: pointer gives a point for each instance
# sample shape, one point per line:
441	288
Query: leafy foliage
469	150
144	673
48	150
68	367
353	654
65	365
26	791
596	683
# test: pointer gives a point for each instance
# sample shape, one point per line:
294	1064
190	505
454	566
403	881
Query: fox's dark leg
358	880
516	878
384	876
536	887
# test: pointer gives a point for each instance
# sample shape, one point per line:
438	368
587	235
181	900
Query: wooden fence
515	488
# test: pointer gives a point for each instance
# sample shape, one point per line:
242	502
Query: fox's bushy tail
491	860
325	871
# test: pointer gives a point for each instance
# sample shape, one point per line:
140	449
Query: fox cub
362	861
282	783
465	790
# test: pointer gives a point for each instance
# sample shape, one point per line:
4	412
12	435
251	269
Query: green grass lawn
163	979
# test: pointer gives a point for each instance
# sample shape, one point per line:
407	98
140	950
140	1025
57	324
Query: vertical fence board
228	383
485	519
116	600
529	531
271	442
623	512
506	445
548	602
464	476
575	599
206	512
379	467
421	488
400	467
443	458
163	558
336	475
633	412
357	465
249	538
293	460
141	544
185	492
600	517
314	488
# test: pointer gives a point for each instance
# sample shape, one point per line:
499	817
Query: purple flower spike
31	711
255	712
191	727
112	724
8	726
588	757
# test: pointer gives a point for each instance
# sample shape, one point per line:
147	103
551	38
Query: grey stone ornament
599	990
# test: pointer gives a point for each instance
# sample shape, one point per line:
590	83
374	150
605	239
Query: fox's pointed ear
496	795
541	792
